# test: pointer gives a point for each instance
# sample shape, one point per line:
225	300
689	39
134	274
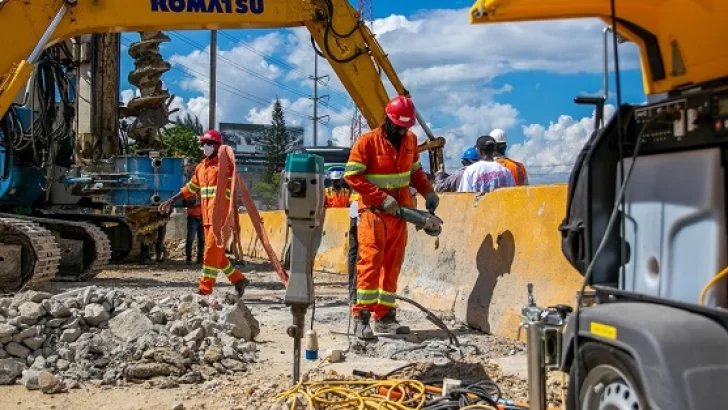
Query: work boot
241	285
362	330
389	324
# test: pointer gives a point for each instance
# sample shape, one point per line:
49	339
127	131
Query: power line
290	67
239	67
226	87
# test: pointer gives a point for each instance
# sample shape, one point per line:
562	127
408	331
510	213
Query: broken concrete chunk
34	343
130	325
70	335
10	370
241	322
94	314
17	350
49	384
30	312
7	330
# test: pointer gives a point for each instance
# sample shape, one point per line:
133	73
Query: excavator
646	221
30	29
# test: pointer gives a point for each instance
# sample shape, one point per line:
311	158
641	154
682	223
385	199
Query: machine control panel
695	120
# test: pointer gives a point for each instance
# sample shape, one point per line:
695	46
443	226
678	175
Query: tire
617	373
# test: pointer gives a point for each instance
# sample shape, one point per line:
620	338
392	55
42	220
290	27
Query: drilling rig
151	114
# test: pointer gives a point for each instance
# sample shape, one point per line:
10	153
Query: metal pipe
48	33
296	331
213	80
425	127
536	369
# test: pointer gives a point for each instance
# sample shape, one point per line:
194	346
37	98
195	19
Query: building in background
245	139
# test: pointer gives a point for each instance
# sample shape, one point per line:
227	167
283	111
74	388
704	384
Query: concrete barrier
491	247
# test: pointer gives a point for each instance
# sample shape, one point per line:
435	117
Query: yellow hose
356	394
712	283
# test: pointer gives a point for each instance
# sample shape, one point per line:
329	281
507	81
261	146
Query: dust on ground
426	350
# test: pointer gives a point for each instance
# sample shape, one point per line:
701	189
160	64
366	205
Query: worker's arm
356	167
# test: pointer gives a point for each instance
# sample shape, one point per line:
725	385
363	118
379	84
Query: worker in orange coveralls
336	195
382	165
204	183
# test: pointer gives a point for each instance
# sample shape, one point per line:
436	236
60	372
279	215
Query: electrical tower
323	80
366	14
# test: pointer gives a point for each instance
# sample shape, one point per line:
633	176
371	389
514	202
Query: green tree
277	143
190	121
267	192
181	141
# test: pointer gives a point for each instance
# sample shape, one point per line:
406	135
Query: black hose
485	392
435	320
328	29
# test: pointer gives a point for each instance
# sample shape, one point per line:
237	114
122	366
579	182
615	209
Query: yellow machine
30	28
656	333
335	26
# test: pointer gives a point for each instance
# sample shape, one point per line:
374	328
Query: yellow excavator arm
681	41
27	27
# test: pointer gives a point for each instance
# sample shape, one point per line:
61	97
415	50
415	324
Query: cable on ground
356	394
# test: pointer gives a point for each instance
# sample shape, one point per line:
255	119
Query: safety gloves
432	201
390	205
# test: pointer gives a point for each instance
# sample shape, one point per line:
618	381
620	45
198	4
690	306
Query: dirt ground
502	361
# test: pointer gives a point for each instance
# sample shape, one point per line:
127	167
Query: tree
190	121
181	141
268	193
277	143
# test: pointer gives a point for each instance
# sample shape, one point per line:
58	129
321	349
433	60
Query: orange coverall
336	199
375	170
517	169
204	183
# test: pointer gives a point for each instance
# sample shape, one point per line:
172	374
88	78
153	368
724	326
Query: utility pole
213	78
316	97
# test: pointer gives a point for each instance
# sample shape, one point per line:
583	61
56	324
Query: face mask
208	150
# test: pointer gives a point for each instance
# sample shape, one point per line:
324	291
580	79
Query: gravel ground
426	347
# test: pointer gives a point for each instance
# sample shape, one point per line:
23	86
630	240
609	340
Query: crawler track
96	245
117	228
40	254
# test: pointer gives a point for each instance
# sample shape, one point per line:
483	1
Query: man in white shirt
486	175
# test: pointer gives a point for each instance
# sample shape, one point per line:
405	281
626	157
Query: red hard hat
211	136
401	111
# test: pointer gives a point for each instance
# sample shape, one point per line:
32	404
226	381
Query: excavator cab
646	220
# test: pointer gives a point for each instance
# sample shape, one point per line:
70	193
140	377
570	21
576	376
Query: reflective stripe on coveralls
204	183
214	260
375	170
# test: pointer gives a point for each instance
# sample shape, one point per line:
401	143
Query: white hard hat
499	136
336	175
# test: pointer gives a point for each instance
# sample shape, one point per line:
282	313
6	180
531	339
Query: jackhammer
303	201
427	221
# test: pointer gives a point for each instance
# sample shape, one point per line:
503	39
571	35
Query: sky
464	79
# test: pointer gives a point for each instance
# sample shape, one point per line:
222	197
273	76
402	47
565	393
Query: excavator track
96	246
117	228
40	255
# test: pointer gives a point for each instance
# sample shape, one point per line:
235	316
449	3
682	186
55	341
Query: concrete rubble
53	343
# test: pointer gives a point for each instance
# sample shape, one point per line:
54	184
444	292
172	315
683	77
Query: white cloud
549	152
446	64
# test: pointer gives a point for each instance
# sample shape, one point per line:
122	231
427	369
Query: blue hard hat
471	154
